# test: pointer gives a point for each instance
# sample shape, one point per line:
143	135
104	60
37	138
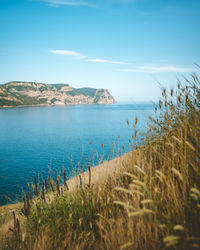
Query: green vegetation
83	91
58	86
20	88
154	203
98	94
4	102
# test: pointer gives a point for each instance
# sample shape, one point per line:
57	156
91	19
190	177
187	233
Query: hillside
30	93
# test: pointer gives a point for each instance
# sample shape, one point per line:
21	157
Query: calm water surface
39	141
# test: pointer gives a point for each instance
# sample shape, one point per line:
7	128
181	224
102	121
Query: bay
40	141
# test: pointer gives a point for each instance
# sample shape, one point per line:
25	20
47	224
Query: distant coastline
53	105
20	94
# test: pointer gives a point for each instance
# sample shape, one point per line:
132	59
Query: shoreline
99	174
55	105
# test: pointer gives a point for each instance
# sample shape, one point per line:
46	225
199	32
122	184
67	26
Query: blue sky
126	46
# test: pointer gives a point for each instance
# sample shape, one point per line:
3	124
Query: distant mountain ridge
19	93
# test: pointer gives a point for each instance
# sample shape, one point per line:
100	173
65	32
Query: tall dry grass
152	202
163	200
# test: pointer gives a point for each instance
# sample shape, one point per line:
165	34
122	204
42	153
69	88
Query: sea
42	141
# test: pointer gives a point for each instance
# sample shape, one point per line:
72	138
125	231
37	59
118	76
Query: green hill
19	93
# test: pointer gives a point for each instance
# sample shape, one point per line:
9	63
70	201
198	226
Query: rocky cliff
30	93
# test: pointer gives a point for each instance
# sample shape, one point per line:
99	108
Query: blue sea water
40	141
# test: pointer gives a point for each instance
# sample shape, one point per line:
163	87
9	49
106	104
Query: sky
125	46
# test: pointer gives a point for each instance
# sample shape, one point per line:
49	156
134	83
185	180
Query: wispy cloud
67	53
148	68
105	61
136	71
157	69
166	69
82	56
87	3
58	3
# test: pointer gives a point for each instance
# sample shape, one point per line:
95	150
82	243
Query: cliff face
30	93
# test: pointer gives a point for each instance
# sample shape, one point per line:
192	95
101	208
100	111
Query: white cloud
137	71
88	3
166	69
149	68
57	3
82	56
105	61
67	53
157	69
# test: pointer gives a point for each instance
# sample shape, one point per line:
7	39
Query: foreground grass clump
152	202
164	202
68	219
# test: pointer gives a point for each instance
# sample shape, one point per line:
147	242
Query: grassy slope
99	175
148	199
